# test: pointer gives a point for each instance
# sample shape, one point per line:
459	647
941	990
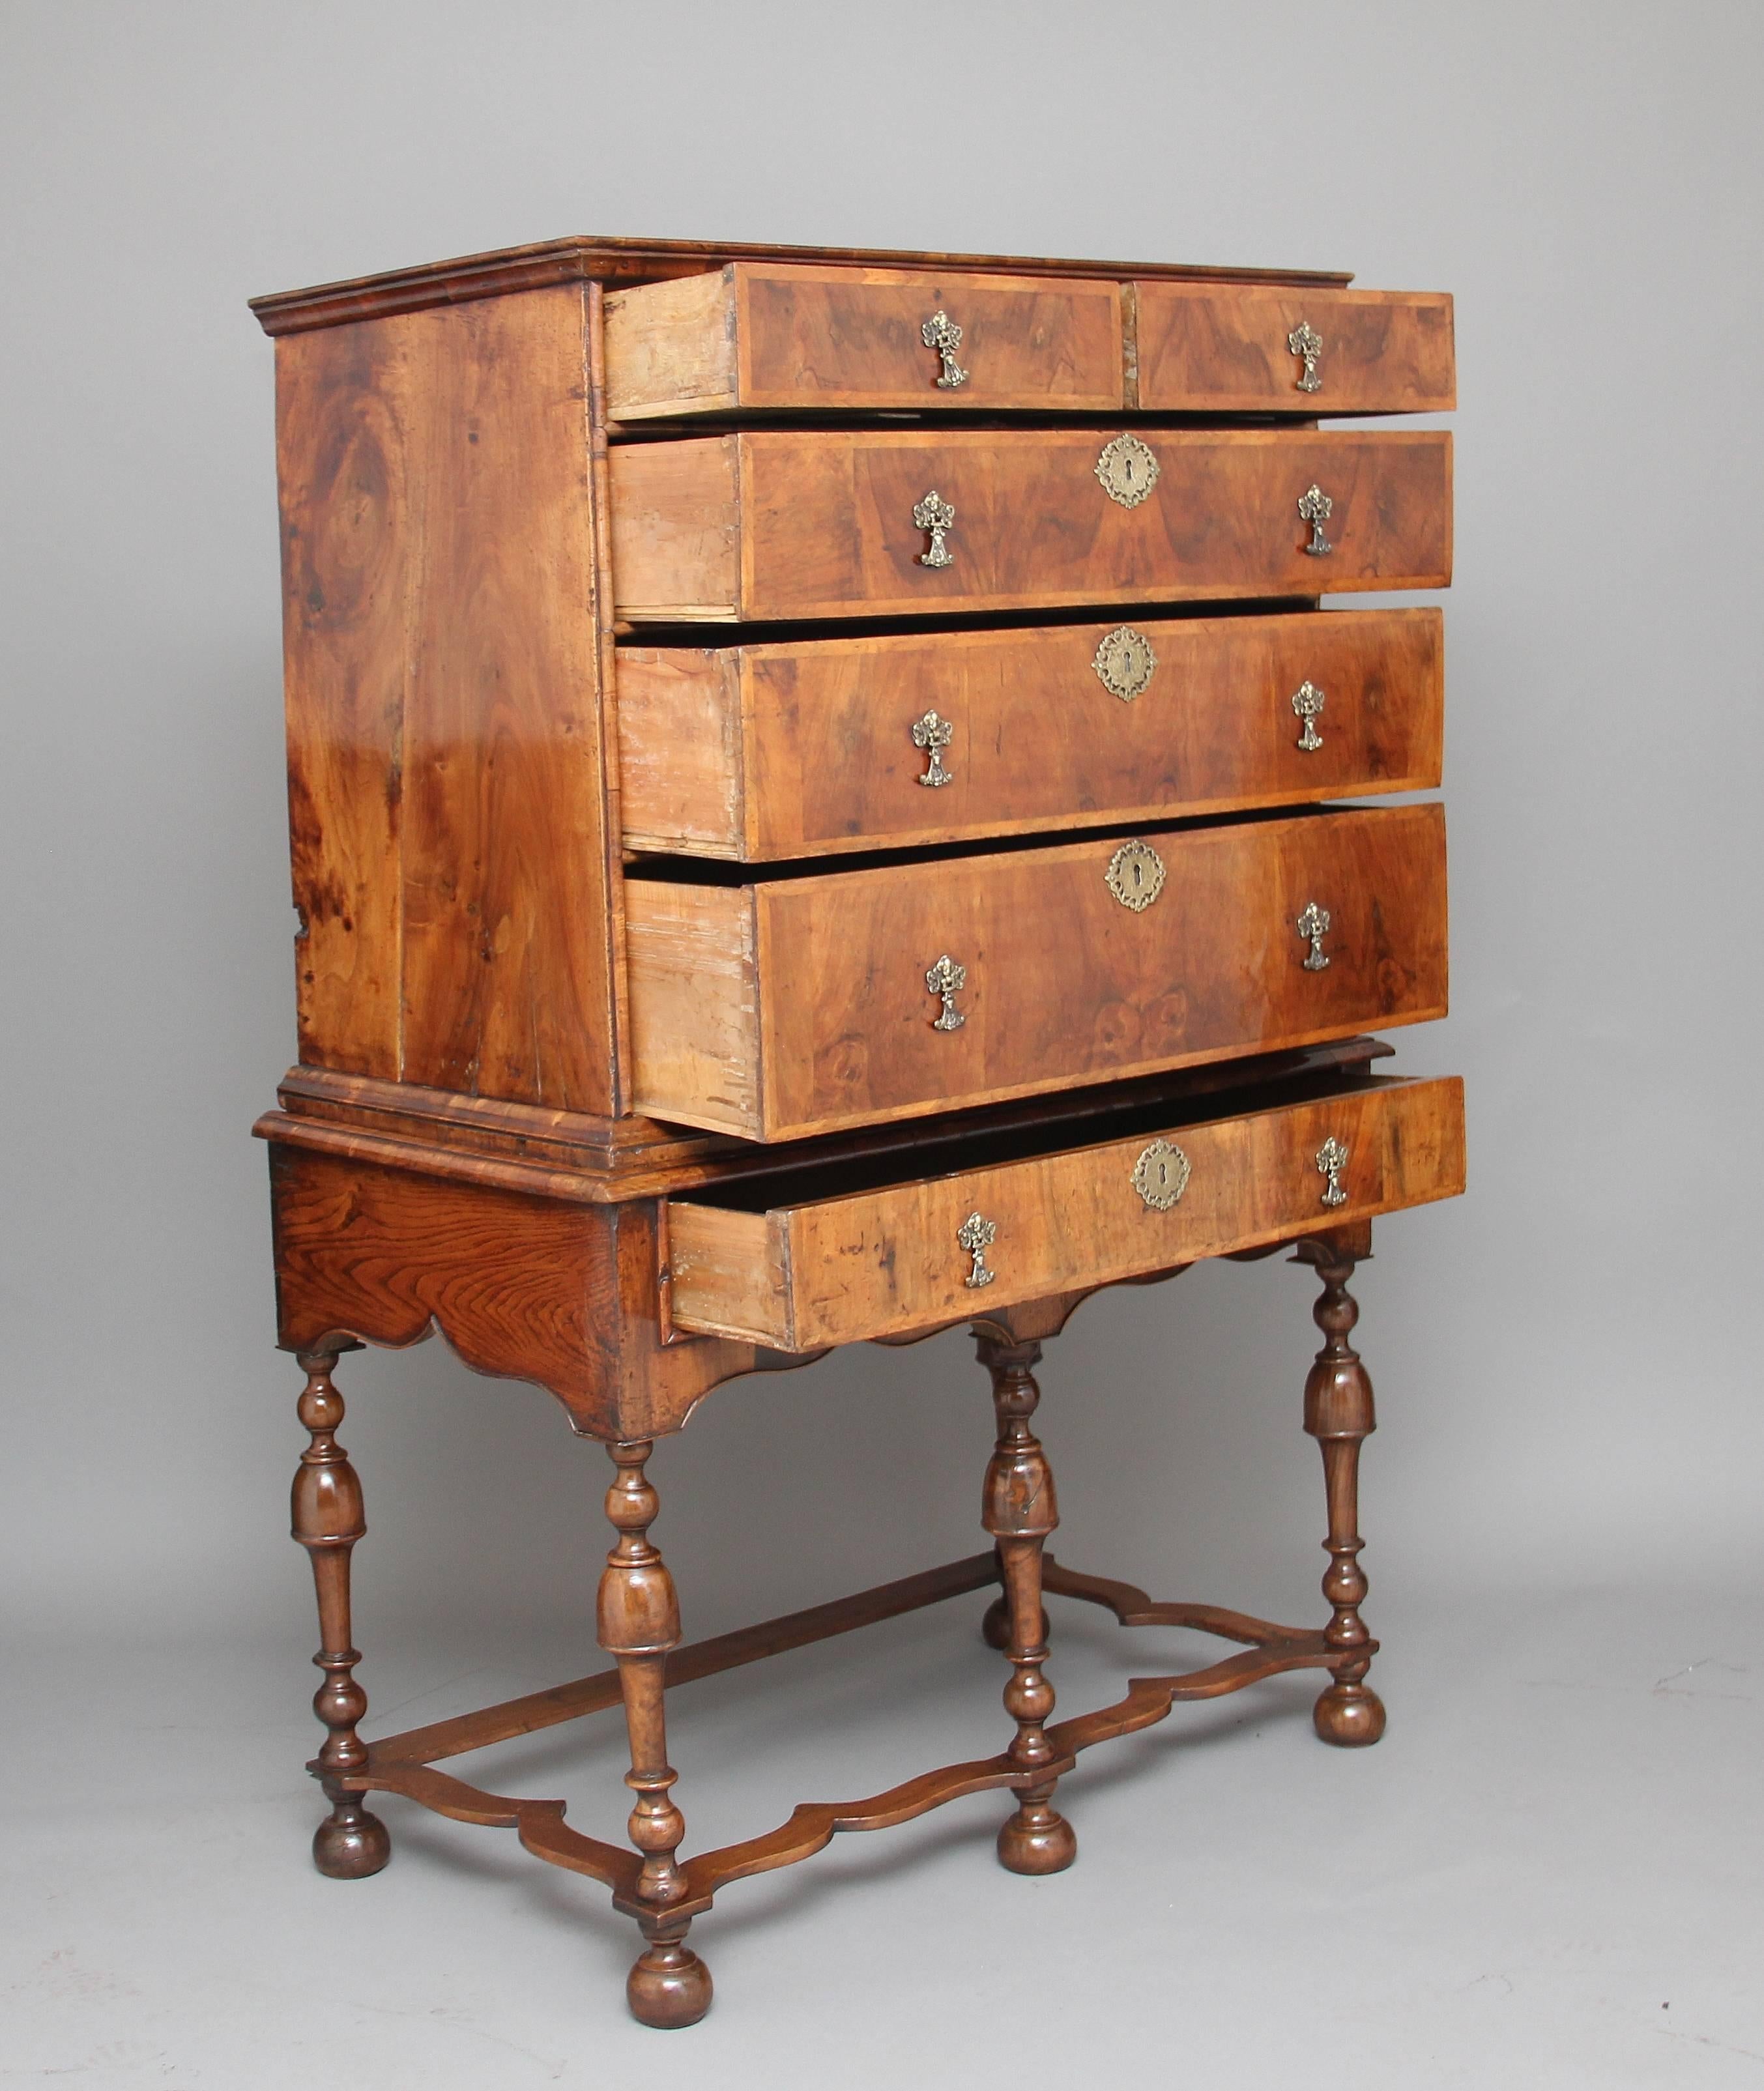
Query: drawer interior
956	1152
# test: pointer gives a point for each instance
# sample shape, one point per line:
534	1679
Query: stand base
669	1986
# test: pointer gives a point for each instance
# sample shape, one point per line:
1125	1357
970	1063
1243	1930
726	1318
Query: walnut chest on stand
810	786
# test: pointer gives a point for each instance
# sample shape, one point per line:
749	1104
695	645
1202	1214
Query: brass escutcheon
1128	471
1135	875
1161	1175
1124	663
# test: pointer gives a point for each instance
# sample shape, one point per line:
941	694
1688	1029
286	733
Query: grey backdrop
1566	1359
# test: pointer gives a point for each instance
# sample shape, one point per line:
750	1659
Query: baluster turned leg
350	1843
1019	1509
1339	1414
640	1621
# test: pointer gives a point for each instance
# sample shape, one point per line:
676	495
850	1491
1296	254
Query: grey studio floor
1545	1875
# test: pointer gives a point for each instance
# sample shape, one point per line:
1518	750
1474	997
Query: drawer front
1208	348
824	745
828	523
763	336
880	1263
801	1005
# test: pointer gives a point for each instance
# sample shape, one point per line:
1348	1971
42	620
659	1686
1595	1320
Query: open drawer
805	1260
791	1004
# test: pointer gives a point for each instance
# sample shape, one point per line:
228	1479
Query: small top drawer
764	335
1226	348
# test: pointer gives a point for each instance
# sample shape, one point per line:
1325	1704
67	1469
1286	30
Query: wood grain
522	1286
805	747
347	564
445	739
767	336
507	967
671	347
842	1268
1064	984
783	524
1218	349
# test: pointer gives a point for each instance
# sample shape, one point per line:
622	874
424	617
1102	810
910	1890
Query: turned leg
1019	1509
350	1843
640	1622
1338	1413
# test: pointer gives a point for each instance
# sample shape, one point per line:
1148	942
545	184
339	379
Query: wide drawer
763	752
799	1271
1230	348
767	335
828	523
782	1007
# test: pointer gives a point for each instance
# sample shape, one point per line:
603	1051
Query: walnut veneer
959	931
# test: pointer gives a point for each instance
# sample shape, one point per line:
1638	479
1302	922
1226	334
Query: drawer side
680	767
671	347
676	529
733	1270
694	990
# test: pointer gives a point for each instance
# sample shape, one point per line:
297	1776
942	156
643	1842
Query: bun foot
350	1843
1350	1716
1036	1840
669	1985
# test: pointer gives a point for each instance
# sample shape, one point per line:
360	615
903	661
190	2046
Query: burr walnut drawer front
816	745
770	335
785	524
797	1004
799	1271
1227	349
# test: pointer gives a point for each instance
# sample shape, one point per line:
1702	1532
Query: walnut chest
825	803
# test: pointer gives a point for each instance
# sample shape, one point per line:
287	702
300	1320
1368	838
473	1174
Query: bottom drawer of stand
801	1263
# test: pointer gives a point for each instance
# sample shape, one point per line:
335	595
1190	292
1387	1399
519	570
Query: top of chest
692	330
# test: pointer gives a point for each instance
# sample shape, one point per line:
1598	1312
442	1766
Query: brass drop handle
977	1234
1315	507
940	332
1305	342
934	514
1307	703
933	734
945	980
1332	1158
1313	926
